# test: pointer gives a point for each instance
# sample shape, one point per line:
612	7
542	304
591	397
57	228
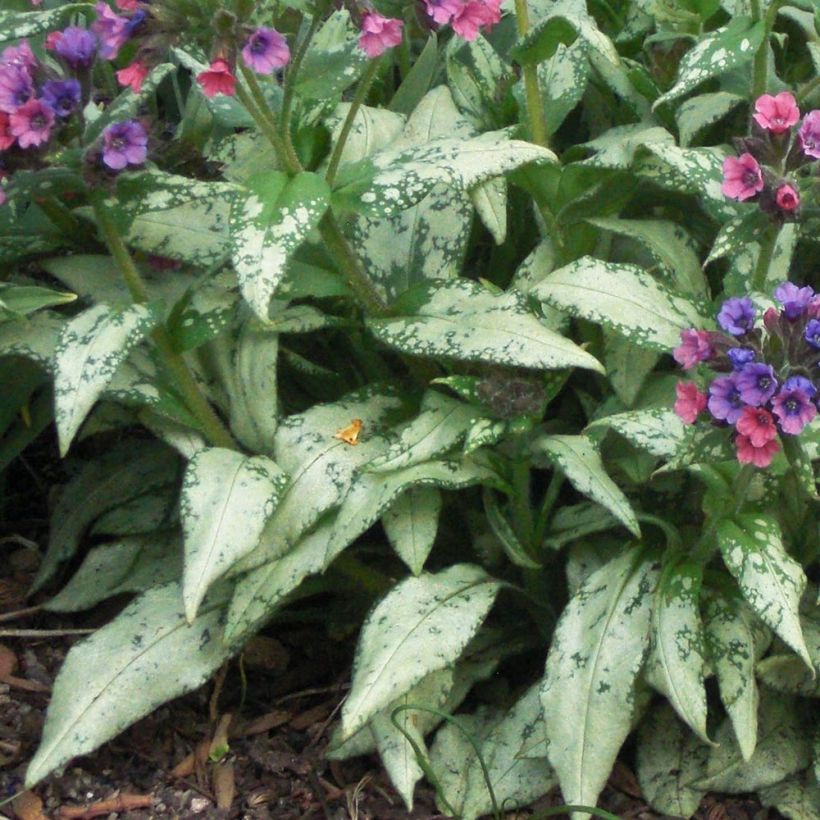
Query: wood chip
314	715
272	720
27	806
120	803
224	784
24	683
8	661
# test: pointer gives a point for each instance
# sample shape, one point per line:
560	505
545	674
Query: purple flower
136	20
111	29
756	383
794	299
15	87
61	96
694	348
740	356
809	134
799	383
737	316
812	334
124	143
31	123
794	410
266	51
724	401
78	47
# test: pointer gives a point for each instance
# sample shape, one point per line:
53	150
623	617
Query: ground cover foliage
358	310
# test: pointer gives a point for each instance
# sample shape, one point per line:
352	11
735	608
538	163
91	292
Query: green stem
59	215
532	93
550	497
358	100
808	88
293	72
522	503
760	68
768	243
216	433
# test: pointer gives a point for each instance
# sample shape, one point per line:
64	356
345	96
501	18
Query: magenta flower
473	16
809	134
690	402
127	5
124	143
742	177
787	198
77	46
7	139
776	114
21	56
112	29
16	88
794	410
757	425
794	299
694	348
379	33
266	51
756	383
747	453
442	11
217	79
52	38
737	315
31	123
133	75
724	400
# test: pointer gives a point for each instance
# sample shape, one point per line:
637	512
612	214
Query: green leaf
580	460
717	53
730	645
786	673
89	350
669	244
623	298
576	521
463	320
268	225
675	666
669	759
372	493
516	781
658	430
411	523
147	655
419	627
33	338
373	129
783	748
17	301
795	797
419	78
588	690
736	234
770	580
263	590
121	473
226	501
15	25
563	79
145	513
703	110
503	531
132	564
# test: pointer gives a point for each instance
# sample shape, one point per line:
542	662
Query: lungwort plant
360	308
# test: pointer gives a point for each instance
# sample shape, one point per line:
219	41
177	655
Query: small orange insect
350	434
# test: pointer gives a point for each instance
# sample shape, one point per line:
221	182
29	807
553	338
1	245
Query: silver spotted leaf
15	25
623	298
770	581
588	690
703	110
797	798
227	498
421	626
787	673
675	664
411	523
34	337
147	655
579	459
90	348
267	224
658	431
669	759
463	320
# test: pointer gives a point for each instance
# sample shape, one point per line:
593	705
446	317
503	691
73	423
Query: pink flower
475	15
694	348
690	403
787	198
742	177
21	56
747	453
266	51
112	29
379	33
442	11
218	79
31	123
809	134
757	425
133	75
52	38
127	5
7	139
776	114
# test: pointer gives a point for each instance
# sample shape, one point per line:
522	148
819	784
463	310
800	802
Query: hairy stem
213	428
532	93
768	242
293	72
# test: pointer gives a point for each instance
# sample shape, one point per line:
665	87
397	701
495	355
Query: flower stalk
532	93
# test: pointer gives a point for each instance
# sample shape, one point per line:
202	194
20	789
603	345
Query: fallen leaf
8	661
27	806
185	767
272	720
266	653
224	784
350	434
314	715
24	683
120	803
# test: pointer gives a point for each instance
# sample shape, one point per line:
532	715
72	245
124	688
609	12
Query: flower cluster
764	171
763	380
467	17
